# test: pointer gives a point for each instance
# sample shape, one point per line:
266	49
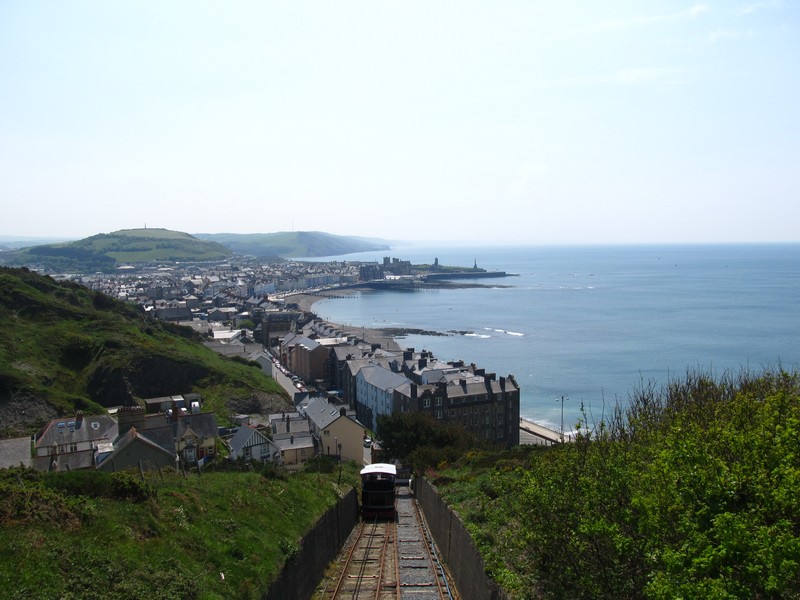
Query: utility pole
562	418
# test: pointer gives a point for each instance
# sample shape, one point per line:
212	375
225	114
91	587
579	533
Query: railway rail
392	559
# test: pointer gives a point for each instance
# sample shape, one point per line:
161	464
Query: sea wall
300	576
456	546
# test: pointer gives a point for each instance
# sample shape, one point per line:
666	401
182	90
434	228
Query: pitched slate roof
382	378
164	430
132	436
298	441
322	413
294	339
77	429
243	434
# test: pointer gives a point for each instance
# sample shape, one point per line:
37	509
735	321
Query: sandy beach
374	336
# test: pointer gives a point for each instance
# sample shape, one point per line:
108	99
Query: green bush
692	491
121	485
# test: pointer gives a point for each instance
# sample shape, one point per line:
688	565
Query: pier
533	434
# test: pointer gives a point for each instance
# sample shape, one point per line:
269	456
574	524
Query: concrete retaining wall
456	546
300	576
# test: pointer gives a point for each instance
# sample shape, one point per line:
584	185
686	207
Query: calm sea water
589	324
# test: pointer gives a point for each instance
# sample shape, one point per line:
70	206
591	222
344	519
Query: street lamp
562	418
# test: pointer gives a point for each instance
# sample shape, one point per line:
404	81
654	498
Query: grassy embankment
93	535
692	492
67	348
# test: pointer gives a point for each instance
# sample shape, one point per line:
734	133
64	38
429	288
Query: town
340	380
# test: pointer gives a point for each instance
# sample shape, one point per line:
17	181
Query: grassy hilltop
293	243
68	348
105	251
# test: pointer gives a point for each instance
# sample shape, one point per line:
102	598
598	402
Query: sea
581	328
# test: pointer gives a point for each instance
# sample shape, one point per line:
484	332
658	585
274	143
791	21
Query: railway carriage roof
383	468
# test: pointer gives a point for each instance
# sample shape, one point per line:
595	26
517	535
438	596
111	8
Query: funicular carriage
377	491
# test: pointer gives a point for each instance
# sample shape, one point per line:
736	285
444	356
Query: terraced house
448	391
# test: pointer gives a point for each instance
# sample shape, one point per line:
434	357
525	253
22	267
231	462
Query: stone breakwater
404	331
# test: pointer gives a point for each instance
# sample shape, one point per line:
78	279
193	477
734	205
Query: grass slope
293	243
94	535
69	348
693	492
104	251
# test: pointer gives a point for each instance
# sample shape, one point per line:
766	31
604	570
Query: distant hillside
293	243
67	348
10	242
103	252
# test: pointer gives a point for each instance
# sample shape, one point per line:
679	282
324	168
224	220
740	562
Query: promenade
531	433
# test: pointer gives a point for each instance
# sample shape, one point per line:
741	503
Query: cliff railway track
391	559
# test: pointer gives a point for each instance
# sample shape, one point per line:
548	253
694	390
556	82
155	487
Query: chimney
78	419
291	439
343	411
130	416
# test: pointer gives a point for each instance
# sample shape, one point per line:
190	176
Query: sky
513	122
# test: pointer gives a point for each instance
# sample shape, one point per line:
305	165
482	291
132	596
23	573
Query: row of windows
62	448
450	402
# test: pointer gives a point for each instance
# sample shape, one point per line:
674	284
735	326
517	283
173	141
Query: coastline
530	433
307	301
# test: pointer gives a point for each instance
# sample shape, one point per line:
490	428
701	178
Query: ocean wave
514	333
482	336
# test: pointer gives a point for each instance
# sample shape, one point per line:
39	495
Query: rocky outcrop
147	377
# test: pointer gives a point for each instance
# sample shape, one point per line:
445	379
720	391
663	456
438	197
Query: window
73	447
438	402
247	452
427	403
438	414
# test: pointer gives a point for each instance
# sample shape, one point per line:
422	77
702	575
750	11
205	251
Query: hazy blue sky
510	121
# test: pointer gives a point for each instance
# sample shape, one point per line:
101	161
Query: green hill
105	251
293	243
68	348
224	533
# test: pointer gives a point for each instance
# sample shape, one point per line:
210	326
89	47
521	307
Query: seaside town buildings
246	308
